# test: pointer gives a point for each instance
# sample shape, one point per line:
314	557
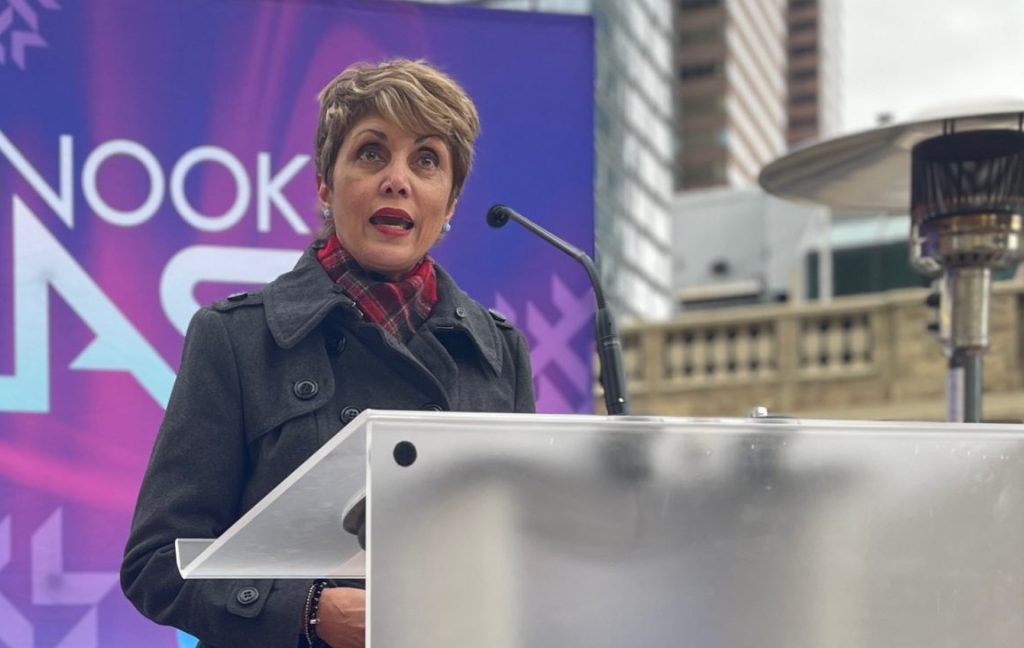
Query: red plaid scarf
399	307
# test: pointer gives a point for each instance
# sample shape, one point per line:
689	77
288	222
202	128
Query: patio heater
962	178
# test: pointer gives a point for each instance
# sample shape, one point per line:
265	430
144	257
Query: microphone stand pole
609	349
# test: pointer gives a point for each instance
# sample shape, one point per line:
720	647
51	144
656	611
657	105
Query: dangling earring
327	214
447	227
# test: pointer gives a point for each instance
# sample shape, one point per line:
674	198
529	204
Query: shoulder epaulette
500	319
238	299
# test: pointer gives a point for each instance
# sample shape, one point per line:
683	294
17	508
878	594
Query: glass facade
635	153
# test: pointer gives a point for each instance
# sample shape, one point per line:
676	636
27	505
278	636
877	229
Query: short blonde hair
414	95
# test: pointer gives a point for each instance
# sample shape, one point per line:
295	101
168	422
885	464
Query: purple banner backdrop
155	155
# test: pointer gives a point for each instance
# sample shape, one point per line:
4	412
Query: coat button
247	595
348	414
433	407
305	389
460	312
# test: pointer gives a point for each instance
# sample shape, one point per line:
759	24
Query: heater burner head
967	200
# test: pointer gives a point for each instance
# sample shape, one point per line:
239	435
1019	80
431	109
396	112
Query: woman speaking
366	319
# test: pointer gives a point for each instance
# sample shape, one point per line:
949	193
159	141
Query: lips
392	219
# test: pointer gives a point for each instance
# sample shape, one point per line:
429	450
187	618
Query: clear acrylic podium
537	531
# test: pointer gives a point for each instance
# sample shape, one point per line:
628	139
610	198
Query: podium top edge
723	424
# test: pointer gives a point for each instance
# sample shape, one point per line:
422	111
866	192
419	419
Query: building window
862	270
803	75
701	140
698	4
803	50
699	71
700	36
701	104
694	176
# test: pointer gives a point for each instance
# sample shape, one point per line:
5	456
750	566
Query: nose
395	180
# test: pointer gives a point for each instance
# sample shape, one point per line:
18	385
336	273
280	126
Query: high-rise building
731	65
812	76
754	77
634	146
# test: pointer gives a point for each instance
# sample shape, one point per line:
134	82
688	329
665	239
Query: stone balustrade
866	357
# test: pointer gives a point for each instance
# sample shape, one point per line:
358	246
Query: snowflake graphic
564	379
19	28
51	585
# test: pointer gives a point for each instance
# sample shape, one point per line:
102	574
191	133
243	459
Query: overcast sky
905	56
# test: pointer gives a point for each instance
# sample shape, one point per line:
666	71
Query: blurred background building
731	66
741	246
755	78
813	70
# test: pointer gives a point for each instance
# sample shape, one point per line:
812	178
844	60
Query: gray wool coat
267	378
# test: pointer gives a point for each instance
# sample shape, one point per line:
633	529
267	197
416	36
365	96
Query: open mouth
391	221
392	218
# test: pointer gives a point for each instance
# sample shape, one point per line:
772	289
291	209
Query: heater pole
972	387
963	329
963	388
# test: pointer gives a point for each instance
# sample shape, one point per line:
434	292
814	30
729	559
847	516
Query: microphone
609	349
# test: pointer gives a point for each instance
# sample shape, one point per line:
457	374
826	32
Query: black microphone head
497	215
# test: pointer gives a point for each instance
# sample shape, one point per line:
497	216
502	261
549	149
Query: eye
369	153
428	159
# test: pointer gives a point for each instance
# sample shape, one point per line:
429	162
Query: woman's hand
342	615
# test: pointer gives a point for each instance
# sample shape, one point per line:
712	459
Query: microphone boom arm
609	348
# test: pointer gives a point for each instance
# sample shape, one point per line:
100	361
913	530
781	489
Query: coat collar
297	302
457	311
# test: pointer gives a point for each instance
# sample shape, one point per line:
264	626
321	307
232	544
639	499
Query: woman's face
389	194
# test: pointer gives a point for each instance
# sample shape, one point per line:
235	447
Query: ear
323	191
451	210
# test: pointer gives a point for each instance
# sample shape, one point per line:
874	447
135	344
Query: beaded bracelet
312	610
